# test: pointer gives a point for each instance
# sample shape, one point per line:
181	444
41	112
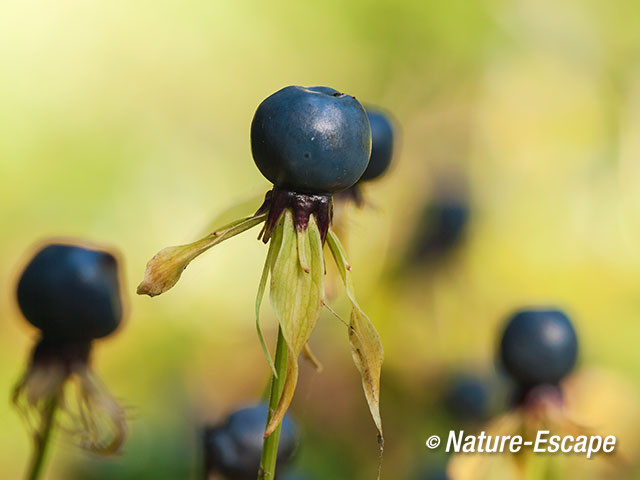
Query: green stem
270	446
42	440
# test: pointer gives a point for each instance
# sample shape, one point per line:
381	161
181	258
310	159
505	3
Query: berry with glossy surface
71	293
381	144
311	140
539	346
234	448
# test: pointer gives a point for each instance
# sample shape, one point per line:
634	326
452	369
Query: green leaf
274	247
296	295
366	347
164	269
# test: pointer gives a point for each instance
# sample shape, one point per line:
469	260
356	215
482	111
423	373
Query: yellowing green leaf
287	394
366	347
164	269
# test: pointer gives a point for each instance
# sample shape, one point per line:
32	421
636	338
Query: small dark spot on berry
306	155
337	94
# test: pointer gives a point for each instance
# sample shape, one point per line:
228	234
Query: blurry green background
128	122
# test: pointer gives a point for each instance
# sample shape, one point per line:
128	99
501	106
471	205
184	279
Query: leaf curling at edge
296	297
366	346
164	269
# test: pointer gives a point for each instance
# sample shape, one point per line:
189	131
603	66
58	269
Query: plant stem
42	440
270	446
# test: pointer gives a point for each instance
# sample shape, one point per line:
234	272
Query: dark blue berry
441	228
71	293
467	398
538	347
311	140
381	144
234	448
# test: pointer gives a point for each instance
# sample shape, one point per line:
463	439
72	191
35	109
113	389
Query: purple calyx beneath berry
64	354
302	206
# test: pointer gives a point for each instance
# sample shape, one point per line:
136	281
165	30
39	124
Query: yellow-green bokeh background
127	122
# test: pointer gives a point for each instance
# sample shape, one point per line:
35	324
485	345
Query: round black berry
538	347
311	140
71	293
381	144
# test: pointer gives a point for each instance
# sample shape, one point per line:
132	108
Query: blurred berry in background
538	347
468	399
440	228
234	447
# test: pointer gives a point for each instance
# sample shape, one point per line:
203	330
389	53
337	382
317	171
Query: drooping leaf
274	246
296	296
366	347
287	394
164	269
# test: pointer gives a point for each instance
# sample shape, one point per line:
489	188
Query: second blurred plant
72	295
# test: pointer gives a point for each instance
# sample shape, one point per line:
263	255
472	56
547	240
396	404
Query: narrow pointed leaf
274	246
366	347
164	269
301	237
287	394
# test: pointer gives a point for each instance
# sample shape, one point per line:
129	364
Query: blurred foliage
128	123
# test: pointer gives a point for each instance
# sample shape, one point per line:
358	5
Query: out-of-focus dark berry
71	293
539	346
381	144
235	447
441	228
468	399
